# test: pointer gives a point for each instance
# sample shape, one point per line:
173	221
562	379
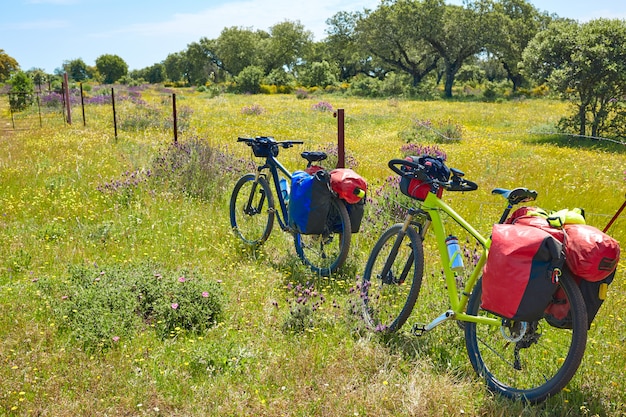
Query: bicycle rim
388	300
251	210
327	252
547	356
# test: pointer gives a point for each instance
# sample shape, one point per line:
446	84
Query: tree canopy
111	67
8	65
586	64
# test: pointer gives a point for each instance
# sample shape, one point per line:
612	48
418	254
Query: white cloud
255	14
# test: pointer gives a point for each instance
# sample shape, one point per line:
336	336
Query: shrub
302	93
186	304
304	301
363	86
254	109
196	168
249	80
22	90
434	131
323	106
99	307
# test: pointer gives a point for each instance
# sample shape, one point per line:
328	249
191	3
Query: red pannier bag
434	167
348	185
521	272
594	294
538	222
590	253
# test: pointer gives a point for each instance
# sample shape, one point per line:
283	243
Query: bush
21	95
323	106
302	93
433	131
320	74
186	304
100	307
249	80
254	109
197	169
363	86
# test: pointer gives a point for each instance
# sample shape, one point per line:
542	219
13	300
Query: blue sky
44	33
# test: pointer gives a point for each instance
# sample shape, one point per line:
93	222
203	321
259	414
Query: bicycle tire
253	225
388	302
327	252
548	356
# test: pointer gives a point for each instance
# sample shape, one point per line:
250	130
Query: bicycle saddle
314	156
516	195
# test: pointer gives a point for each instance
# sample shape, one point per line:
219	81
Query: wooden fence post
66	92
174	115
114	114
341	137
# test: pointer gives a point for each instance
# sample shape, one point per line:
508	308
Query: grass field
85	214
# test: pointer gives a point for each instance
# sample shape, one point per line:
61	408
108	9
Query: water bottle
284	189
454	253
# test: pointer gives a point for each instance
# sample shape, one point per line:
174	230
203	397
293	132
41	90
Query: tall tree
518	22
586	64
111	67
391	34
455	32
342	45
238	48
286	45
201	64
76	69
8	65
175	66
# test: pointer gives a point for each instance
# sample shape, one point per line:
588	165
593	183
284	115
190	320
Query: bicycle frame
433	207
274	166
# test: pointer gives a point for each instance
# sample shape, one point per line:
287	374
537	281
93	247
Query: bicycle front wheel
327	252
538	365
392	279
252	210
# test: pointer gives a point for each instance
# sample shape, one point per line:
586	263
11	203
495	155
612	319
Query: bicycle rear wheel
251	210
327	252
388	297
538	365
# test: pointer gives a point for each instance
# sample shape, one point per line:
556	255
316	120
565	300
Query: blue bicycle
253	209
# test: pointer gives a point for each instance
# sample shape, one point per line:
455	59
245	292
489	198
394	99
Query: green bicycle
520	360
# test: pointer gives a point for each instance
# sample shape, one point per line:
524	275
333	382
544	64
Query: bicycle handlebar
418	171
269	140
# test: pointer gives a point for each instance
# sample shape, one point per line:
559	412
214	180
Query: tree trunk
582	115
449	82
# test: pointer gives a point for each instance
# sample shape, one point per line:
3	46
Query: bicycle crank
420	329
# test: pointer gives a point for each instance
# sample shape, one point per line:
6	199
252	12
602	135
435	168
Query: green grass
53	217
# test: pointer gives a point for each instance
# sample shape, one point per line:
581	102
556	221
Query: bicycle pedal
418	329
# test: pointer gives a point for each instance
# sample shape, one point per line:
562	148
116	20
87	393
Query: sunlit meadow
123	291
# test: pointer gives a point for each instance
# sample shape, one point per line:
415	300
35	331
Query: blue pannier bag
309	202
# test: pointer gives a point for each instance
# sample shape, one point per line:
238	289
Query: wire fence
50	108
